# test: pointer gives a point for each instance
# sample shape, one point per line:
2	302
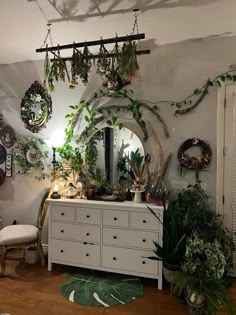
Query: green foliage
192	212
91	152
173	248
29	155
212	292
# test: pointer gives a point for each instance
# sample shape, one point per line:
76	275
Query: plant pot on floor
195	302
31	255
169	272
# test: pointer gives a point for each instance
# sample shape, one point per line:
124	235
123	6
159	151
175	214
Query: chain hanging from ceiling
116	67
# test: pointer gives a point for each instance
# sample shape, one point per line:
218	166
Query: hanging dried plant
58	71
128	63
81	64
104	62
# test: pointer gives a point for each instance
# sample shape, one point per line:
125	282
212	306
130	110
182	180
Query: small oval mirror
36	107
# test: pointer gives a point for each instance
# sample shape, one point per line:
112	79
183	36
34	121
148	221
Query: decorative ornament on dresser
36	107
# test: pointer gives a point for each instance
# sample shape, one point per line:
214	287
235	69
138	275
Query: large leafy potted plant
172	251
191	211
201	277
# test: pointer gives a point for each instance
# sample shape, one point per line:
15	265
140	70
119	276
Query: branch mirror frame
36	107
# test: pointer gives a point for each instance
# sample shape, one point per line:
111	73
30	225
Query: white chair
22	236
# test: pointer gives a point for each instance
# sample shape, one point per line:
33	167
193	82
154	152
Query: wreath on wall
30	155
195	163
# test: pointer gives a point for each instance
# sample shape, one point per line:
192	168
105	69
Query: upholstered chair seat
17	234
23	235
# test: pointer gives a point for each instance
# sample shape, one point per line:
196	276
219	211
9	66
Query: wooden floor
32	290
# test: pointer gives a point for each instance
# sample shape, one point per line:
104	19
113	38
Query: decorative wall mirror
36	107
106	153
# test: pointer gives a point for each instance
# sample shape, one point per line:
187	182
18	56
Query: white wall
169	72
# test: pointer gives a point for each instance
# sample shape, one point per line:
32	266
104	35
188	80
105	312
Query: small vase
137	195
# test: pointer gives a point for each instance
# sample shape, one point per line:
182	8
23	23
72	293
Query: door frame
220	135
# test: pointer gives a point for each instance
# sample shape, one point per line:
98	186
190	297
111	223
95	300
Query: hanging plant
29	156
81	64
104	61
128	63
58	71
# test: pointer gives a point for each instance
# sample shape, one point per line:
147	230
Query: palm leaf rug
97	288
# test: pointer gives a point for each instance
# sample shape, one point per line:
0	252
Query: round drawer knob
144	221
87	255
85	243
62	251
114	258
143	262
62	231
115	219
62	213
144	240
115	237
88	216
87	234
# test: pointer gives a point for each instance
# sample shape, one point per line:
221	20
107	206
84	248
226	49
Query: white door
226	159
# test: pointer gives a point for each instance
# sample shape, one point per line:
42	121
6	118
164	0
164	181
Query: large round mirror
36	107
107	152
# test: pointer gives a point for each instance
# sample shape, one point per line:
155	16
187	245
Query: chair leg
41	254
3	260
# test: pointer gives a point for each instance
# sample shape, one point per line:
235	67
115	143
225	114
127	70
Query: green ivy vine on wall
30	156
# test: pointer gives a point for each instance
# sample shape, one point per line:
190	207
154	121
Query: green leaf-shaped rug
97	288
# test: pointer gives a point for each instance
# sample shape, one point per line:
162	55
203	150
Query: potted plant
172	251
201	277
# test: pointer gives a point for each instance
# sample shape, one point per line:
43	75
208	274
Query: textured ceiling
23	23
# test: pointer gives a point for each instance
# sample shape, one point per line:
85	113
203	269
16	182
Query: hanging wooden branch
189	109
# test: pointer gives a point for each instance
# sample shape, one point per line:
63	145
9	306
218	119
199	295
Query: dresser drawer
75	252
129	238
76	232
115	218
129	260
63	213
143	221
89	216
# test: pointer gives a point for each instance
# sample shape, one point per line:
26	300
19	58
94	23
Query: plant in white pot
173	249
201	277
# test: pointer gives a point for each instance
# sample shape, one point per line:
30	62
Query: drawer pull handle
144	221
62	251
143	262
115	219
62	231
88	216
115	237
62	213
87	234
144	240
87	255
114	258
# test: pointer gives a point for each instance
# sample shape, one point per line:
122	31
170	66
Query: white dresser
108	236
